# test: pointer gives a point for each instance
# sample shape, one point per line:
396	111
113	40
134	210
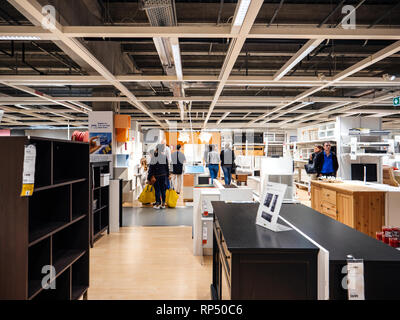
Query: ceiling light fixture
22	107
296	61
241	12
19	38
177	59
389	77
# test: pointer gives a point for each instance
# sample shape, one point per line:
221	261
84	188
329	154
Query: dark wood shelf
99	209
98	234
35	286
100	217
98	188
78	291
59	184
65	259
49	229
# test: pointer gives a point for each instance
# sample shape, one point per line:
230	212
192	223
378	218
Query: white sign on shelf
355	279
28	175
270	207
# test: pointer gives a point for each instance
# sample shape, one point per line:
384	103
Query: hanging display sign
270	206
28	175
101	135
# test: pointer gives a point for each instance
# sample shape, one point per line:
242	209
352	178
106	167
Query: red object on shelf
385	239
387	232
396	232
394	242
204	241
80	136
379	235
206	213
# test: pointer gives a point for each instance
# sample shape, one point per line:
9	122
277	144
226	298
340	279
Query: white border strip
323	265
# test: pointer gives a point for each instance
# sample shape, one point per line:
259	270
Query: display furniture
100	201
48	229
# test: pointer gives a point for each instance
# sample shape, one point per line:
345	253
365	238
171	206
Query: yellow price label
27	190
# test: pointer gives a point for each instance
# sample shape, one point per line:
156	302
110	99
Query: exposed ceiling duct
162	13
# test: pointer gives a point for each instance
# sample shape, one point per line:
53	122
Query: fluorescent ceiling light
241	12
298	59
22	107
223	117
388	77
177	59
19	38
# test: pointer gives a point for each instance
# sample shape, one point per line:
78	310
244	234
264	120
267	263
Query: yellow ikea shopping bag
171	198
148	194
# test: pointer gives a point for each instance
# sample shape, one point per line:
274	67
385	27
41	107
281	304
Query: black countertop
339	239
238	225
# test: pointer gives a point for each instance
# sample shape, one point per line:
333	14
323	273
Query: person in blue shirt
326	163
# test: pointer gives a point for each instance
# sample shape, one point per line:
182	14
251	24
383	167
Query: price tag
355	279
204	234
28	176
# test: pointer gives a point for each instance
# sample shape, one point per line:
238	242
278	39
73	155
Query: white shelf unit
301	150
353	148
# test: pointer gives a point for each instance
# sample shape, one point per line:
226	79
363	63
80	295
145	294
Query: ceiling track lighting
8	38
389	77
241	12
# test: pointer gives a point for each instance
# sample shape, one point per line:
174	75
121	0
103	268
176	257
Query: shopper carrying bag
148	195
158	174
171	197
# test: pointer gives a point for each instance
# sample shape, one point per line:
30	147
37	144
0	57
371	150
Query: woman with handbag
158	175
310	167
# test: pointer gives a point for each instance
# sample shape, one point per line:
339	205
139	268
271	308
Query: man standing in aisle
178	160
227	162
326	163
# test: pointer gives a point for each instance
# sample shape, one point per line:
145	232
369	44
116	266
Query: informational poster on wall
101	135
270	206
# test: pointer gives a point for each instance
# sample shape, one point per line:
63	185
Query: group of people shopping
227	160
324	161
159	173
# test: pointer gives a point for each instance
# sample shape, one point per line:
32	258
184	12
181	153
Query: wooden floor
148	263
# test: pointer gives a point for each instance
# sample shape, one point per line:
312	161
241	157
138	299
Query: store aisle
152	217
148	263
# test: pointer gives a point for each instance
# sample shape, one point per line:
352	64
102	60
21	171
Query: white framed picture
270	206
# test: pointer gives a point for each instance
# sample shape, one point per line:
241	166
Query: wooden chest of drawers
359	207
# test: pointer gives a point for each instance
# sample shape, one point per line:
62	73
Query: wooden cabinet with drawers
359	207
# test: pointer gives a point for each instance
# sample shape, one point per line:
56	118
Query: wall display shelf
100	202
302	149
51	227
361	142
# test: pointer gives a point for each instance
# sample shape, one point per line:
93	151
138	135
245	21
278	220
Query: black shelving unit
100	214
49	228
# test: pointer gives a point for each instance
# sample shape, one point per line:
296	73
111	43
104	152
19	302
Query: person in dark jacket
227	157
160	171
326	163
317	149
178	160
